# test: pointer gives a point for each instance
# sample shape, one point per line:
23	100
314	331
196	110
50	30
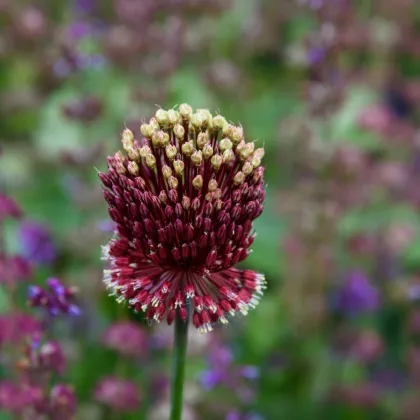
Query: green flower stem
178	367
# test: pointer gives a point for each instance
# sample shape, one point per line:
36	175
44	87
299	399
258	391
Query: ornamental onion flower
184	196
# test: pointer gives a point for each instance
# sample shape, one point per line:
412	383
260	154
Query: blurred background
332	88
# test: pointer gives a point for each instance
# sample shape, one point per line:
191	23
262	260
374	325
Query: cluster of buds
184	197
56	299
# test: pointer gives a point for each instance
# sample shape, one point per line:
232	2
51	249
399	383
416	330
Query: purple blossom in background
118	394
209	379
250	372
73	61
36	242
56	299
357	294
107	225
79	30
235	415
390	380
223	372
318	4
84	6
315	55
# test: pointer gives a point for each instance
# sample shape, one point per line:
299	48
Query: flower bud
212	185
173	117
202	140
228	155
247	168
160	139
225	144
119	157
206	117
216	162
127	139
133	168
171	151
173	182
150	160
144	151
120	168
236	135
186	202
207	151
188	148
144	129
163	196
255	161
246	151
198	182
166	171
178	167
179	131
228	130
197	120
153	125
260	152
185	111
197	158
239	178
133	153
162	117
219	123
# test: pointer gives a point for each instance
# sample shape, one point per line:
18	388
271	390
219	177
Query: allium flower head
183	197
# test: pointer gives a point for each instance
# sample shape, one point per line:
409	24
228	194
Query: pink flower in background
376	118
357	294
118	394
127	338
14	269
8	208
63	403
16	327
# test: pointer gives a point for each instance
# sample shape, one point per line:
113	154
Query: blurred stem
178	367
